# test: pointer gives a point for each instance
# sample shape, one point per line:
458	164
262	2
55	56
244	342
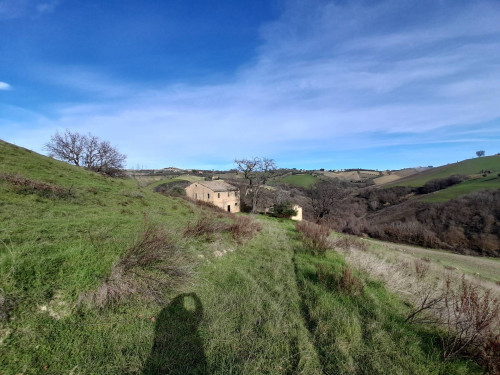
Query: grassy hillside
302	180
470	167
100	276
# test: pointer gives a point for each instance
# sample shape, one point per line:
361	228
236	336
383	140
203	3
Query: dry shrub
469	316
350	283
347	242
244	228
206	226
490	354
314	237
421	268
346	282
24	185
148	268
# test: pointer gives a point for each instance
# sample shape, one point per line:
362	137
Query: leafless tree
86	151
325	196
257	172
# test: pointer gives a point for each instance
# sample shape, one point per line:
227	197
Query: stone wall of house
227	200
297	217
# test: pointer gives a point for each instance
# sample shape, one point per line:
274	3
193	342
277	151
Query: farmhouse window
228	193
208	195
218	195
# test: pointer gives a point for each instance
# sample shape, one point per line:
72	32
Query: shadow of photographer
177	347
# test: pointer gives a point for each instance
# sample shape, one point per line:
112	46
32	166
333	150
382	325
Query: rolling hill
469	167
99	275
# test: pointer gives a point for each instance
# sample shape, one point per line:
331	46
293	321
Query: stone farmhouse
219	193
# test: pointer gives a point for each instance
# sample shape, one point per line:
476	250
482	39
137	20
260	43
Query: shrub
206	226
149	268
284	210
244	228
346	282
346	242
314	237
24	185
469	317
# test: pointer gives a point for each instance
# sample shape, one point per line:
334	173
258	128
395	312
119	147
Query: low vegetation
119	279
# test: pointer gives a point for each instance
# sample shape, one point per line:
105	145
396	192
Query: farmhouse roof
218	185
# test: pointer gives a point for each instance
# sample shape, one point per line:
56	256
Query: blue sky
312	84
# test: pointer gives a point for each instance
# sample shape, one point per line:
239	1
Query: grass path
252	322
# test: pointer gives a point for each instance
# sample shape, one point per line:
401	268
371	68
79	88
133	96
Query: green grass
365	333
492	181
302	180
466	167
248	308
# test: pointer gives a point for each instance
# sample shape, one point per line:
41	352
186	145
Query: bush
314	237
244	228
206	226
346	282
149	268
284	210
24	185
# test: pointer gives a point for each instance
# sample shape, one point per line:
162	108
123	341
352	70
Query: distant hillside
482	173
470	167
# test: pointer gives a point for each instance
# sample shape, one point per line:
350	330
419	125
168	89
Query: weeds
314	237
345	282
206	227
346	242
469	316
149	267
27	186
242	228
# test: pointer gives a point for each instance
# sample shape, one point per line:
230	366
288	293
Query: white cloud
326	76
4	86
10	9
47	6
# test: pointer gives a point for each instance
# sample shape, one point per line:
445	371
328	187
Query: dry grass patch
151	266
467	313
242	228
22	185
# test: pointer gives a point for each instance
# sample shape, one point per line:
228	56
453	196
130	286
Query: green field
85	290
302	180
466	167
492	181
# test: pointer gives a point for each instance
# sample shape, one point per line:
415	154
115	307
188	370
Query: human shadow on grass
177	348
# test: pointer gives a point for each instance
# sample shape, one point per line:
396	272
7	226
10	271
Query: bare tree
325	196
69	147
86	151
257	172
